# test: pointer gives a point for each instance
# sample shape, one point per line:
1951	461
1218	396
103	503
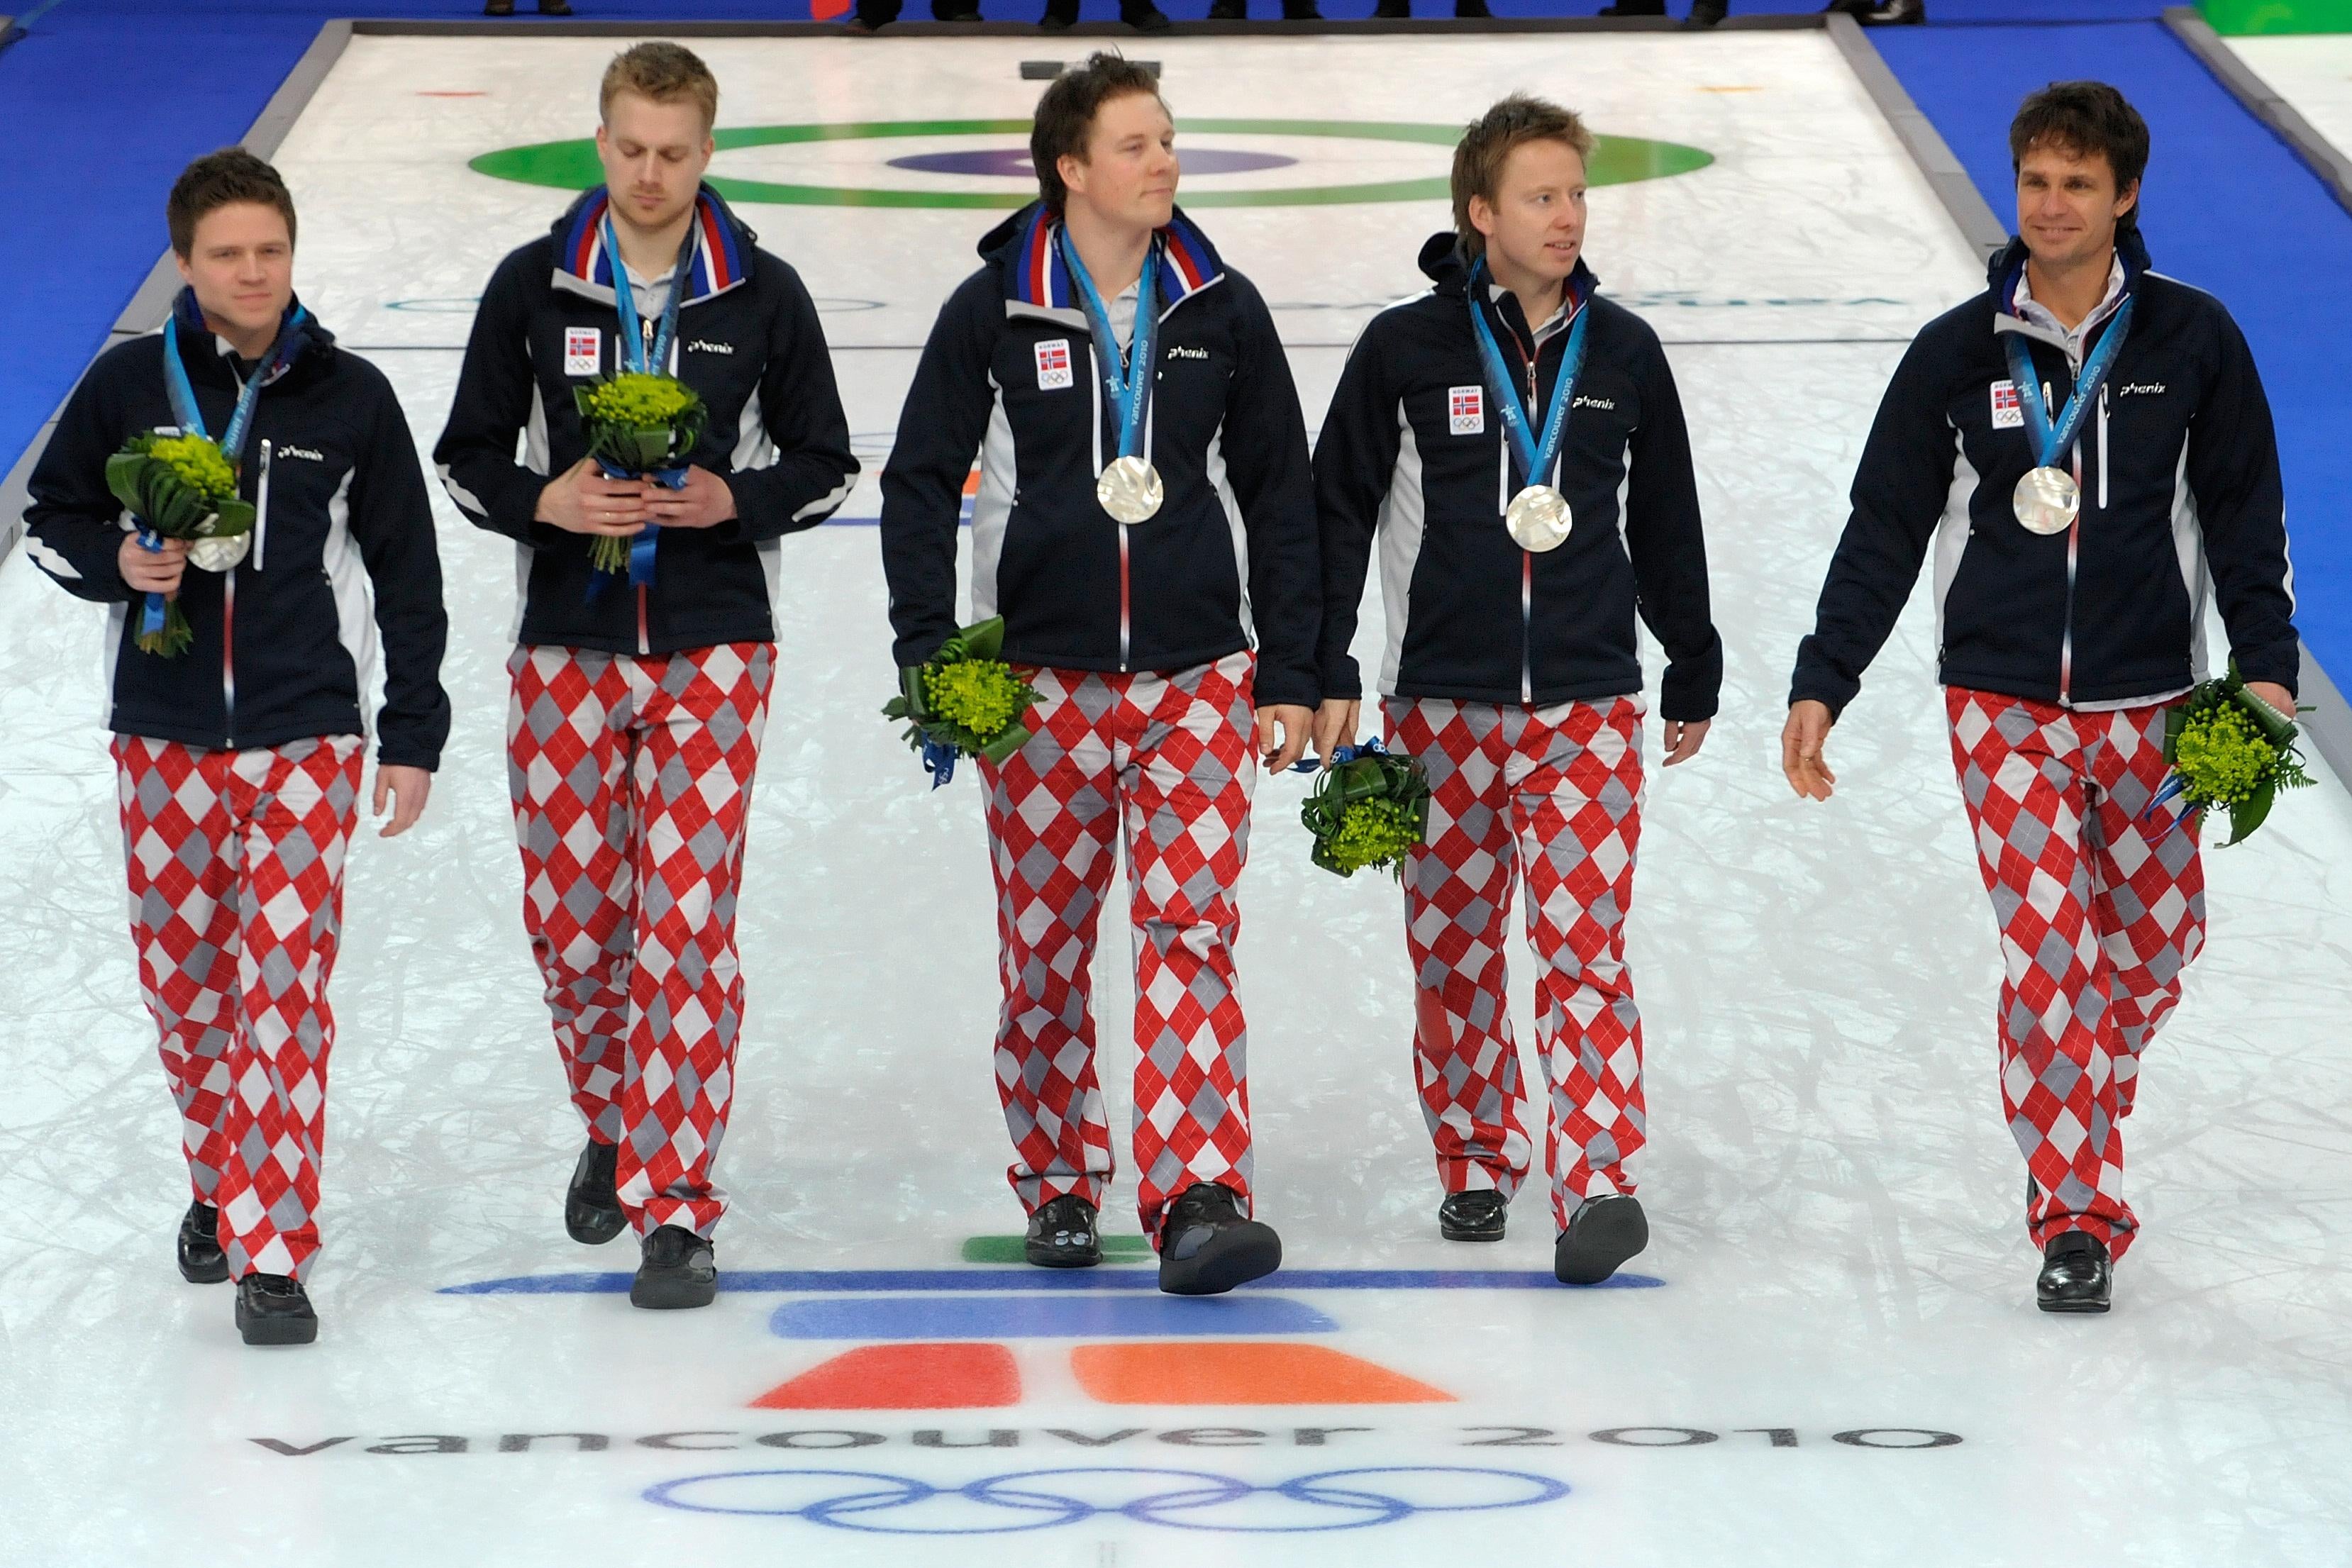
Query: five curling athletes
2085	446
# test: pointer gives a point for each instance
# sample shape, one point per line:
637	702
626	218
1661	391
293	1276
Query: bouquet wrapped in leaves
1369	808
2230	751
966	701
180	487
639	425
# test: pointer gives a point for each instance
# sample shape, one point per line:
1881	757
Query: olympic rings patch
873	1502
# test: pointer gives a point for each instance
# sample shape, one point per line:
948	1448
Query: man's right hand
1335	725
152	572
581	501
1801	739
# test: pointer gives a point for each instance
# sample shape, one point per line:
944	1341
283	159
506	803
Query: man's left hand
704	502
1297	722
2276	696
407	789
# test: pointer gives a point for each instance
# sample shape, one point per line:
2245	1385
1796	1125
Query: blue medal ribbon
182	395
2053	442
635	355
1536	458
1124	377
1341	756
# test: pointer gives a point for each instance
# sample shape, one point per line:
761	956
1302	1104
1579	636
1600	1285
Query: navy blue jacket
285	642
748	341
1413	452
1010	374
2181	496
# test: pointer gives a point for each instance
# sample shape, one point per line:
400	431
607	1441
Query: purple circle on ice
1013	162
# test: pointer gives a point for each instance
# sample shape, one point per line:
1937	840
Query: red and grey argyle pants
632	782
1550	796
235	863
1166	762
2100	913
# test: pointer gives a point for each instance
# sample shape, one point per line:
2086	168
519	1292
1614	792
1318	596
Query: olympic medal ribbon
2049	499
1539	516
1129	486
644	361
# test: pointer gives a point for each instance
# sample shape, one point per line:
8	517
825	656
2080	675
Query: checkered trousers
1550	796
631	779
2100	913
235	863
1167	761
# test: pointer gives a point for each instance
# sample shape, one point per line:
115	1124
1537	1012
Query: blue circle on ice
1013	162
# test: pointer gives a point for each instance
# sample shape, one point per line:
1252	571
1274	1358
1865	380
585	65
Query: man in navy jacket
1511	668
1156	710
639	705
239	758
2087	448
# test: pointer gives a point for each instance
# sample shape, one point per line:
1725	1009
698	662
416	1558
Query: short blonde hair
666	73
1489	140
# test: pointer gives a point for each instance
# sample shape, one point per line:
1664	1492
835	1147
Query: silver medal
2047	500
219	554
1538	518
1129	490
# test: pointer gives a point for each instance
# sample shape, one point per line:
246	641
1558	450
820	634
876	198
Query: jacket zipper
228	658
1126	593
2074	552
1527	557
261	510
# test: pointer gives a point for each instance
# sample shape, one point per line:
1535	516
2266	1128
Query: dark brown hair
666	73
1066	111
2089	119
219	180
1489	140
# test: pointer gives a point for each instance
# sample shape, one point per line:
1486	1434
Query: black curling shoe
1601	1234
591	1210
273	1309
680	1269
2077	1276
202	1261
1206	1248
1473	1215
1063	1235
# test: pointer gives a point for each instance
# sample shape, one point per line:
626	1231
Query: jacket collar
200	346
584	265
1027	250
2006	273
1448	269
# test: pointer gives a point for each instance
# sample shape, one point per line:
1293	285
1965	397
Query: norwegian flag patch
584	350
2008	414
1052	364
1465	410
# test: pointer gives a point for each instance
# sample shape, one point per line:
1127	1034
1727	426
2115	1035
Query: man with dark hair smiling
2087	447
1144	498
639	705
1516	444
238	757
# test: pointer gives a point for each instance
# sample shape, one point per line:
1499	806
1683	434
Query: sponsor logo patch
305	452
2142	389
1583	402
705	345
1052	364
1185	353
584	350
1465	410
2008	414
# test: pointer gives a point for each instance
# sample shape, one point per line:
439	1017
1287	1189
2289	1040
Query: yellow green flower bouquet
2230	751
639	426
965	702
180	487
1368	810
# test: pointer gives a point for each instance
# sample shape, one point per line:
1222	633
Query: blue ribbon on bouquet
1341	755
2173	789
638	358
150	623
938	761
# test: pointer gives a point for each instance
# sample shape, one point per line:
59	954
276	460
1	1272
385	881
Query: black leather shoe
272	1309
1473	1215
1229	11
1894	13
1206	1248
1707	13
1143	17
955	13
1393	10
2076	1274
592	1212
1301	11
1633	8
1849	8
202	1261
1601	1234
498	7
1058	21
555	7
679	1269
1063	1234
1471	11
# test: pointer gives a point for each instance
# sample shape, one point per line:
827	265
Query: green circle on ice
572	165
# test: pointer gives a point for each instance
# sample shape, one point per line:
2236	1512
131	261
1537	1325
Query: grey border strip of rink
2262	101
1942	168
152	300
2329	724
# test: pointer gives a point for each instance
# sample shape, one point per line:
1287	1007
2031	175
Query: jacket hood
722	245
2007	265
204	361
1022	248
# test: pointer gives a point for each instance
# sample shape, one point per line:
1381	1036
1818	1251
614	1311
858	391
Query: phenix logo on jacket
342	547
2181	496
1412	453
1010	372
749	343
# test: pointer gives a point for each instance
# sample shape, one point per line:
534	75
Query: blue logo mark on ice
876	1503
